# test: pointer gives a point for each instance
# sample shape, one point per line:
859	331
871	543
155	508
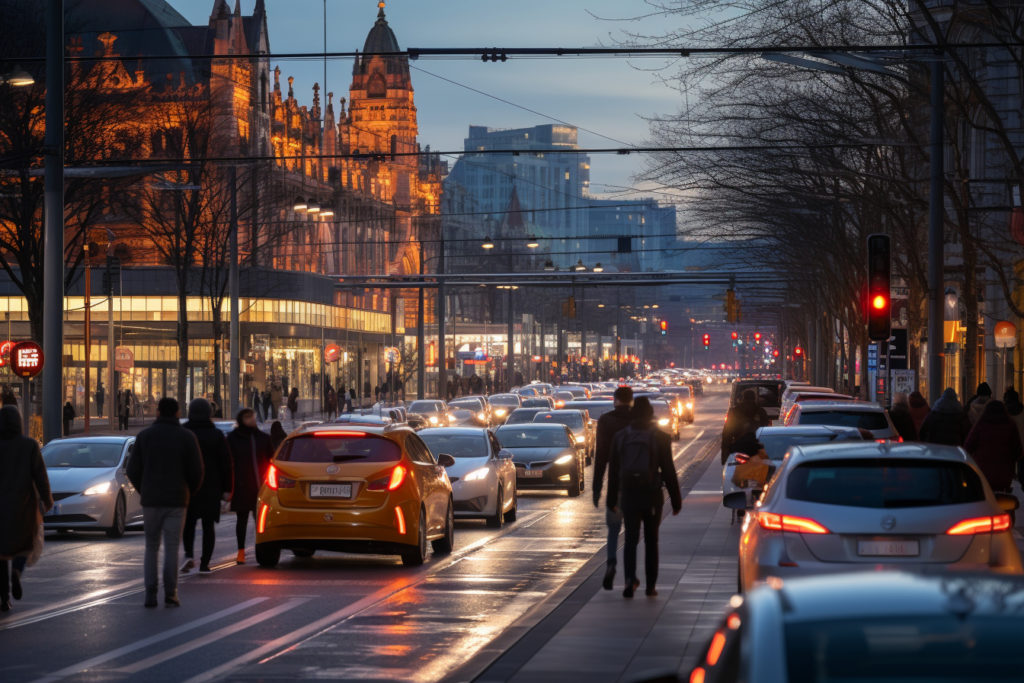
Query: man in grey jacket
166	469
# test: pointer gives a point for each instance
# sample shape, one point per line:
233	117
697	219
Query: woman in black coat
204	506
251	451
24	495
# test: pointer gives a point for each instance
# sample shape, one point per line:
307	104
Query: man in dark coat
746	417
24	492
608	425
167	470
251	451
69	417
946	423
995	445
901	417
217	482
638	493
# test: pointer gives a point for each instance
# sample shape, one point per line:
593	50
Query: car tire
303	552
497	520
118	523
575	487
446	543
267	555
417	554
513	512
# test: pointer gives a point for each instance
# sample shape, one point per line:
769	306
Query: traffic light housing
707	341
664	327
879	287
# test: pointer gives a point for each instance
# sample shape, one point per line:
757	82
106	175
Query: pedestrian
167	470
746	417
124	409
204	506
277	435
918	410
24	497
251	451
69	417
351	398
640	464
995	445
330	402
7	397
293	402
901	417
946	422
975	405
268	407
608	425
101	395
276	395
1015	409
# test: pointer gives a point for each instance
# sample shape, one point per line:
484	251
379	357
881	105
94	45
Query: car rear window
777	445
424	407
889	483
310	448
457	445
522	415
531	437
570	420
595	408
845	418
905	648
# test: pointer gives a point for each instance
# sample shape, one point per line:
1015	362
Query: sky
610	96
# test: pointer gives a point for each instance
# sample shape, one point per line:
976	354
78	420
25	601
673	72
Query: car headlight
564	460
500	412
476	475
481	416
689	406
97	490
581	439
433	419
452	418
663	422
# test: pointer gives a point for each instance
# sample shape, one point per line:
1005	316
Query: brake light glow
346	435
276	480
697	675
980	525
272	477
400	520
800	525
716	647
397	477
261	523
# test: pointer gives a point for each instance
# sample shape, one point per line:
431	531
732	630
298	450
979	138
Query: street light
488	244
579	267
327	213
313	207
598	268
300	205
18	78
532	243
549	266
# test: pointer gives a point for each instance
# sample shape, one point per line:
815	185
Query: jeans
650	518
164	523
241	524
209	536
613	518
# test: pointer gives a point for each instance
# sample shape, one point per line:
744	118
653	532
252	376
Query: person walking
975	405
167	470
608	425
1015	409
901	417
330	402
743	418
7	397
946	423
124	409
68	416
351	398
204	506
640	465
268	407
277	435
995	445
251	451
293	402
24	496
276	394
918	410
101	395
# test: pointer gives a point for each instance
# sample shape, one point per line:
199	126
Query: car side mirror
504	454
735	501
1007	502
445	460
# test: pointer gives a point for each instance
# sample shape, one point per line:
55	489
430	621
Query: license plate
888	548
533	474
330	490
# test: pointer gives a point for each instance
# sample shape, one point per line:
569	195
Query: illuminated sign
332	352
26	359
5	352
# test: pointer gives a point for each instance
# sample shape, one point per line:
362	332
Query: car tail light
716	647
697	675
261	523
276	480
741	458
800	525
345	435
400	520
980	525
390	482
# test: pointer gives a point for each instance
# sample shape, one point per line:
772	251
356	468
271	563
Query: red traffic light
879	302
798	351
707	340
775	353
757	336
664	325
735	336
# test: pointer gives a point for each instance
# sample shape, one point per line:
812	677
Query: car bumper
553	477
346	530
474	498
82	512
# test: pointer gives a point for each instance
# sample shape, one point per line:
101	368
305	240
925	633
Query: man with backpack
640	464
608	425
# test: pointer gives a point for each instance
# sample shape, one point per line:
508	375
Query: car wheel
267	555
498	519
303	552
513	512
575	485
417	554
446	543
118	527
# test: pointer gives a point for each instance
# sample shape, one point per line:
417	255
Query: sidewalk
614	639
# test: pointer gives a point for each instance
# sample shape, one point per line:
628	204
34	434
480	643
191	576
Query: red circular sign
26	359
332	352
5	352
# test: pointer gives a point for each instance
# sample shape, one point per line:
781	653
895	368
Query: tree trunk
218	335
182	341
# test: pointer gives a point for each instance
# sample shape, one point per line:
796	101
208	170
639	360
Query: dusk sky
608	96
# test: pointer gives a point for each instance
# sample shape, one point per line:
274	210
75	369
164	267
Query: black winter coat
218	478
946	423
904	422
23	486
166	467
251	451
608	425
666	473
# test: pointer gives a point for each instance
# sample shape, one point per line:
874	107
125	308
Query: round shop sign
332	352
1005	335
124	359
26	359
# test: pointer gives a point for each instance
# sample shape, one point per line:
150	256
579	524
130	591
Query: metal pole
53	213
936	215
234	345
88	333
421	352
442	357
108	395
510	354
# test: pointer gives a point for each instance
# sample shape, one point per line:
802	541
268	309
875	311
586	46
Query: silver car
837	507
90	488
483	477
861	415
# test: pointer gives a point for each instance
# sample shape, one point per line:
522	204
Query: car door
434	489
505	471
132	500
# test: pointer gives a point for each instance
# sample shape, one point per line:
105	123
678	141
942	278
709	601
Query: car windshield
506	400
525	437
467	403
949	647
457	445
573	421
767	394
82	454
424	407
522	416
661	409
331	448
885	483
845	418
536	403
777	445
595	408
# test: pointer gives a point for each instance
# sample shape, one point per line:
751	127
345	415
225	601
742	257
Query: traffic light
735	336
664	327
879	272
798	353
707	341
757	337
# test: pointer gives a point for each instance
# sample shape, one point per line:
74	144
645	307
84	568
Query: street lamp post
936	211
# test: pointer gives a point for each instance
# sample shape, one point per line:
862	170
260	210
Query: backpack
637	465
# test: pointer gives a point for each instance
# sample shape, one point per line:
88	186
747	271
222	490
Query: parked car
842	506
91	491
545	456
483	477
862	415
348	488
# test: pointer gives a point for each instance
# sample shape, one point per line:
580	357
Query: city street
332	616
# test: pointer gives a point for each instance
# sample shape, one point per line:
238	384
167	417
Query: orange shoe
241	557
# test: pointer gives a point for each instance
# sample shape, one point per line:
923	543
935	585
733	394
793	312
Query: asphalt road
328	617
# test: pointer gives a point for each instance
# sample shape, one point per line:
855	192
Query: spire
291	91
277	79
380	12
220	10
238	8
259	9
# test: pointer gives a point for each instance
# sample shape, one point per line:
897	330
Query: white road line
687	446
87	664
208	638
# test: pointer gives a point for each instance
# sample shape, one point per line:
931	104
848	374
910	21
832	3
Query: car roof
113	438
806	430
597	400
849	450
534	425
823	406
563	411
454	430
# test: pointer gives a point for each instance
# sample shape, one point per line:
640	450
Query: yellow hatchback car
355	489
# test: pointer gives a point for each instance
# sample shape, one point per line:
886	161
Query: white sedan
483	477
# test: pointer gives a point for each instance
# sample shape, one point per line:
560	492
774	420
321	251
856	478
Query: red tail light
741	458
341	435
800	525
715	650
980	525
400	520
389	483
261	523
275	480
